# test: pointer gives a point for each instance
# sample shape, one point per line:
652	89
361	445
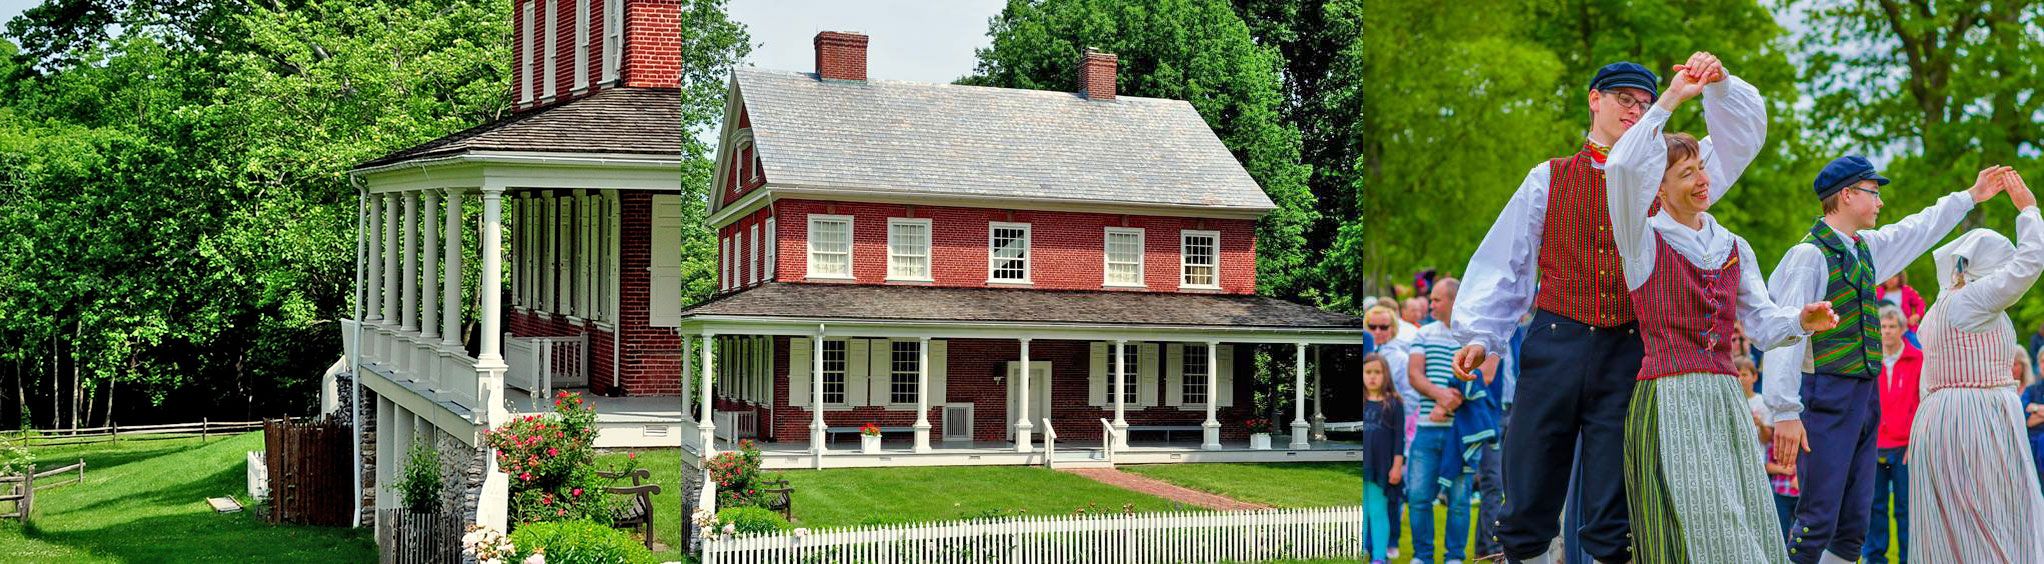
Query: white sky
923	41
11	8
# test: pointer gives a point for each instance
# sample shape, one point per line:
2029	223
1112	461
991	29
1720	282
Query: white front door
1039	395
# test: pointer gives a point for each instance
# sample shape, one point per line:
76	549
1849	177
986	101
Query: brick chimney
652	42
840	56
1096	75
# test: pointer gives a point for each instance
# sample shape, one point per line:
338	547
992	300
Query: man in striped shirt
1431	371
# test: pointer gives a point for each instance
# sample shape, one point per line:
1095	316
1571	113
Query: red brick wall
652	55
972	365
649	357
738	178
1065	247
742	252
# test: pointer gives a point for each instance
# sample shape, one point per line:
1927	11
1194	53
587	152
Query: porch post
707	426
816	427
1212	426
1319	431
429	305
490	355
1120	394
390	250
1022	425
409	285
923	395
450	310
372	285
1299	438
688	373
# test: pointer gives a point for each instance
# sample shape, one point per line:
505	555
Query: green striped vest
1853	348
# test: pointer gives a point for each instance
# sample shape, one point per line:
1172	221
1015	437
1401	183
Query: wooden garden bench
830	433
638	513
778	496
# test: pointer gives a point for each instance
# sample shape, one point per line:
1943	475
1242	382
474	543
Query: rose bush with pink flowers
551	460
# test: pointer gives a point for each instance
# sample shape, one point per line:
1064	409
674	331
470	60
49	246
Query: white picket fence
1332	532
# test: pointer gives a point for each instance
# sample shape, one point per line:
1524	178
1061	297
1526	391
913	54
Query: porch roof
640	121
807	301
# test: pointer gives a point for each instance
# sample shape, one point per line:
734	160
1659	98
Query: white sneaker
1454	562
1393	553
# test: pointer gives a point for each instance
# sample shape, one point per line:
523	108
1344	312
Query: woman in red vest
1694	481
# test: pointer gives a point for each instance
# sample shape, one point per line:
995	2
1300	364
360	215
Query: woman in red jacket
1901	363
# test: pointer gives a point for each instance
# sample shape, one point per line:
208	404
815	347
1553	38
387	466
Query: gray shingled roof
944	139
644	121
933	303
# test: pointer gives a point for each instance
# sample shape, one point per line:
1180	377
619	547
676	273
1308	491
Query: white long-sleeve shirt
1802	277
1499	284
1632	180
1982	304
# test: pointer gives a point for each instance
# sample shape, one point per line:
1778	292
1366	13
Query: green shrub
551	461
579	542
419	484
750	520
14	457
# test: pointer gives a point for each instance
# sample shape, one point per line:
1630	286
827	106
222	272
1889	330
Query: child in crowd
1384	445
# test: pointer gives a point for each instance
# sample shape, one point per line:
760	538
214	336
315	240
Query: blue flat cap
1844	172
1627	74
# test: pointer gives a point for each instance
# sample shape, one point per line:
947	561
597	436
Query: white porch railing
538	364
734	425
1049	445
1330	532
420	364
1107	440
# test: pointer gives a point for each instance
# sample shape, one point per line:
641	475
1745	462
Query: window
552	29
771	242
1199	251
1129	361
724	264
581	45
754	272
525	86
613	37
830	246
906	365
908	249
1008	252
834	372
1124	255
1195	392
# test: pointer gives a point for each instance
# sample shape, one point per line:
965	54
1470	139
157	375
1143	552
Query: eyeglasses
1876	193
1627	101
1376	327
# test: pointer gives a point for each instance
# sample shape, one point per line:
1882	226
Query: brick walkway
1160	488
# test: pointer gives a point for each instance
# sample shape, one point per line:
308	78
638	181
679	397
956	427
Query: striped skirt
1693	476
1973	491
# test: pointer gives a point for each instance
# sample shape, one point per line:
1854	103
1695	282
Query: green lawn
1277	485
145	502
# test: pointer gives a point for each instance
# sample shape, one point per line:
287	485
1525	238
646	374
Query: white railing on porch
1049	445
1329	532
421	364
734	425
539	364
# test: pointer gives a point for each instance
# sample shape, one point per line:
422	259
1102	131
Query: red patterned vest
1581	275
1690	327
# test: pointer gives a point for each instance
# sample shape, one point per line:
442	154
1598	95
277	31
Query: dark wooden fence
203	430
408	537
309	471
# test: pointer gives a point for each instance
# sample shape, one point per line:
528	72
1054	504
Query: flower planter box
869	444
1259	441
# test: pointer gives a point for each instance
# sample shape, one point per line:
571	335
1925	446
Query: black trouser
1575	380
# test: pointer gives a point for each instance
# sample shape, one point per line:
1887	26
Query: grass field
145	502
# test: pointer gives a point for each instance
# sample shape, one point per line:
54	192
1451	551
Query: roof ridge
917	83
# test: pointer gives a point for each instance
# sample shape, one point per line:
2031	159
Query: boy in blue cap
1820	393
1582	355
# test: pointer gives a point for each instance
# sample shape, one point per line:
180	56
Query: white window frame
894	260
844	374
753	273
850	226
613	38
526	63
1185	264
1187	379
772	241
724	263
992	228
581	45
553	15
1107	257
896	372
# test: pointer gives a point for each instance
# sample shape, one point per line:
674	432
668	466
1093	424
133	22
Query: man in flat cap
1582	352
1820	393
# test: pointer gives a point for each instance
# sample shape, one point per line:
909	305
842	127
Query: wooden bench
638	513
778	496
830	433
1165	429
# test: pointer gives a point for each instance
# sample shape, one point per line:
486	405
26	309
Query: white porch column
490	287
688	375
1299	438
707	425
1120	397
1212	426
922	425
429	305
409	285
372	284
1319	421
390	250
1023	426
816	426
450	311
